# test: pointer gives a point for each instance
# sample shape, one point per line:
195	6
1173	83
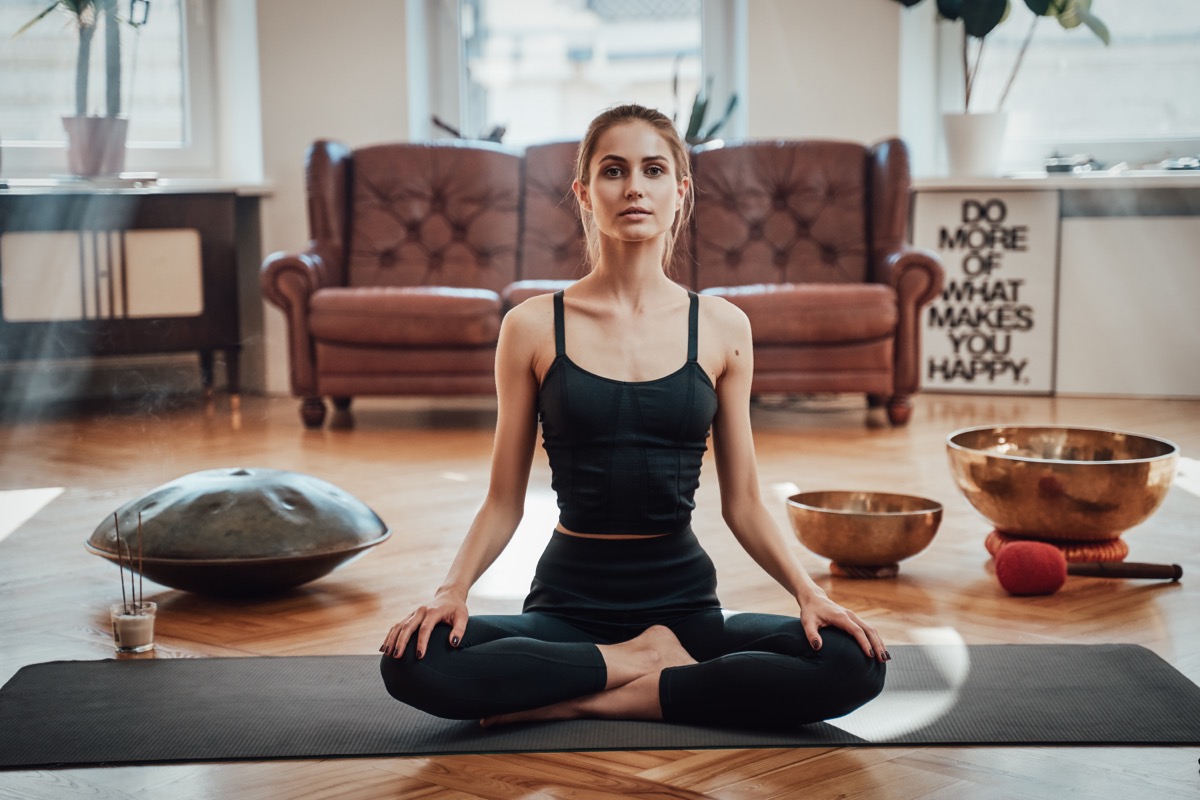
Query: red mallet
1026	568
1031	568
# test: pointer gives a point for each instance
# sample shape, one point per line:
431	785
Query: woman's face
634	190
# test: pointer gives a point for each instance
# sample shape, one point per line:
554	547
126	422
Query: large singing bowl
864	534
1062	483
238	532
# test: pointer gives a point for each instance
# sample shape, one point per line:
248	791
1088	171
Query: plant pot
95	145
974	142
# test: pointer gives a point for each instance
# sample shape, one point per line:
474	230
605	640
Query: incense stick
120	563
141	574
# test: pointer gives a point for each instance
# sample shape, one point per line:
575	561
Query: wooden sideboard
91	271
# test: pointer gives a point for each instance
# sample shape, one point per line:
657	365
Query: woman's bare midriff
561	529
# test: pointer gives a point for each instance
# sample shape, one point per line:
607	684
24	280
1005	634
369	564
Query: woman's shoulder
724	316
530	320
532	310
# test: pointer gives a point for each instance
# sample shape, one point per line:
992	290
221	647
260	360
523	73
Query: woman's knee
859	678
423	683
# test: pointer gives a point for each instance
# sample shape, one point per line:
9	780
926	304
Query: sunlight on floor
17	506
895	713
511	573
1188	475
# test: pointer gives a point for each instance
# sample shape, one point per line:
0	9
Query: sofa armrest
289	280
917	277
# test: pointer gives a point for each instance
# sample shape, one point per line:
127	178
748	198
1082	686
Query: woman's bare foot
631	691
637	699
650	652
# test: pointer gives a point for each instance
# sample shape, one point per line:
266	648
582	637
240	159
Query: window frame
438	73
195	157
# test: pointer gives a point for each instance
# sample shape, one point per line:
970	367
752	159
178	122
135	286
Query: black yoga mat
146	711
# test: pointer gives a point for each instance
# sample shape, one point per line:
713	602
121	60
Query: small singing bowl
1062	483
864	534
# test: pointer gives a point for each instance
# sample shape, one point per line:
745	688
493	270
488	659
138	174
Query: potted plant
696	132
974	139
95	143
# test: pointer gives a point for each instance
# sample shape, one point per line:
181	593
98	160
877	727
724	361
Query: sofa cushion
419	316
519	292
789	313
434	214
552	242
781	212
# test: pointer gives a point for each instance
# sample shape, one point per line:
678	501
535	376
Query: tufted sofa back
781	212
552	245
478	216
438	214
552	240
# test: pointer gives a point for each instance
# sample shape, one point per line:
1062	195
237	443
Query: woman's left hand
819	612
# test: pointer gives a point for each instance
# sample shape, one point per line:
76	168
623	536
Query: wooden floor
422	465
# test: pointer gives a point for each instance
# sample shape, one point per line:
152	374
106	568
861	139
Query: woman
622	619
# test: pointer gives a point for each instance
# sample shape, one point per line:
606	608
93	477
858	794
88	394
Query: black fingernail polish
887	656
454	642
871	653
420	655
816	643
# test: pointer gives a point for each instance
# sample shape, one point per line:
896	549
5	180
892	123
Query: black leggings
754	670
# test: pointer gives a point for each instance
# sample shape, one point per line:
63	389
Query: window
1133	101
539	70
166	90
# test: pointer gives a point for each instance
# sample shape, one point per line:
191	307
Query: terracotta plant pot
95	145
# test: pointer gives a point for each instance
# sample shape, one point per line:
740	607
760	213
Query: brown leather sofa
418	249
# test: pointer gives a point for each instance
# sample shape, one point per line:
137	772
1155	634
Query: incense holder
240	531
133	626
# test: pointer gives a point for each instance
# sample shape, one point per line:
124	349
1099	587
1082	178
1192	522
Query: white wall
327	70
823	69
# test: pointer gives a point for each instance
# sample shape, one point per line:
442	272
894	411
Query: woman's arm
504	505
741	497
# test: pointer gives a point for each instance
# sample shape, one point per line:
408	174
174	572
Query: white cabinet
1064	285
1129	306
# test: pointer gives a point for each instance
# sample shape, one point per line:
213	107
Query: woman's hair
621	115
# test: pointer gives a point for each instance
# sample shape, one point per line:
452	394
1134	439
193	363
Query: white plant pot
974	142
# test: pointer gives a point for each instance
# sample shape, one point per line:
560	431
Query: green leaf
708	134
1074	13
1096	26
699	108
35	20
1039	7
950	9
980	17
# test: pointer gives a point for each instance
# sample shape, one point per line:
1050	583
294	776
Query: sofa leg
312	412
899	409
342	403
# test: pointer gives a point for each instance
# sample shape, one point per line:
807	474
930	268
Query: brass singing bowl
864	532
1062	483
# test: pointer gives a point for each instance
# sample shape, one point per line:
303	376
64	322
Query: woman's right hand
447	607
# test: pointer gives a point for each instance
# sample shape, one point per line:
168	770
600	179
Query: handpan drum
238	532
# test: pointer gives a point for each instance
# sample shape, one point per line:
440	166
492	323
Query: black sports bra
625	455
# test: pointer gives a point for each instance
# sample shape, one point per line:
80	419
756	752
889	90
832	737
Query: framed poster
993	327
